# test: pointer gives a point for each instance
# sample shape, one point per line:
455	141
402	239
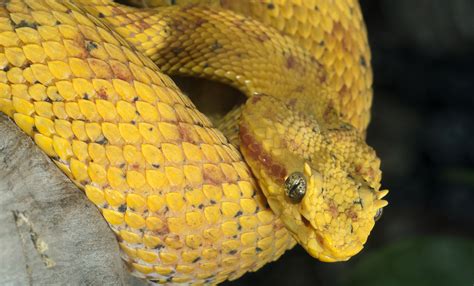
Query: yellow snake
183	203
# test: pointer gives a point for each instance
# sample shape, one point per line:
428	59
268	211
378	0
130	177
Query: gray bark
50	234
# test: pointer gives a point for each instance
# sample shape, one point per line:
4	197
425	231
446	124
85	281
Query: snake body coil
181	199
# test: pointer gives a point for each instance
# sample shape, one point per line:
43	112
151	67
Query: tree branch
49	232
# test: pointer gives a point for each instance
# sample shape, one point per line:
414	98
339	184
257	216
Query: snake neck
217	44
332	31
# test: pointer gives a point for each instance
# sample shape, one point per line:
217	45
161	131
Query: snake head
317	173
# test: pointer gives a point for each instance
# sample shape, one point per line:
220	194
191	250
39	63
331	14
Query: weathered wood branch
50	234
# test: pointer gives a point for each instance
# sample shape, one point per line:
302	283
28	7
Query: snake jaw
330	244
319	244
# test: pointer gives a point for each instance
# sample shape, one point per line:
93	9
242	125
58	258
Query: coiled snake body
184	204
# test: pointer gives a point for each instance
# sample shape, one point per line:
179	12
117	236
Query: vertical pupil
294	190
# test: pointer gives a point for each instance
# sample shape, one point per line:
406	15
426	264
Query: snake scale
81	78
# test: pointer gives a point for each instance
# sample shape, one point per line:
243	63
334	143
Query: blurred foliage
459	175
418	261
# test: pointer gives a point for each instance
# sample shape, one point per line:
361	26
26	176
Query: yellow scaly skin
333	31
179	197
338	214
141	256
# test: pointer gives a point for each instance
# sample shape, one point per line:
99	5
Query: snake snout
338	214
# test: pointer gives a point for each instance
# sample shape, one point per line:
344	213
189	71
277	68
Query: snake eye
378	214
295	187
